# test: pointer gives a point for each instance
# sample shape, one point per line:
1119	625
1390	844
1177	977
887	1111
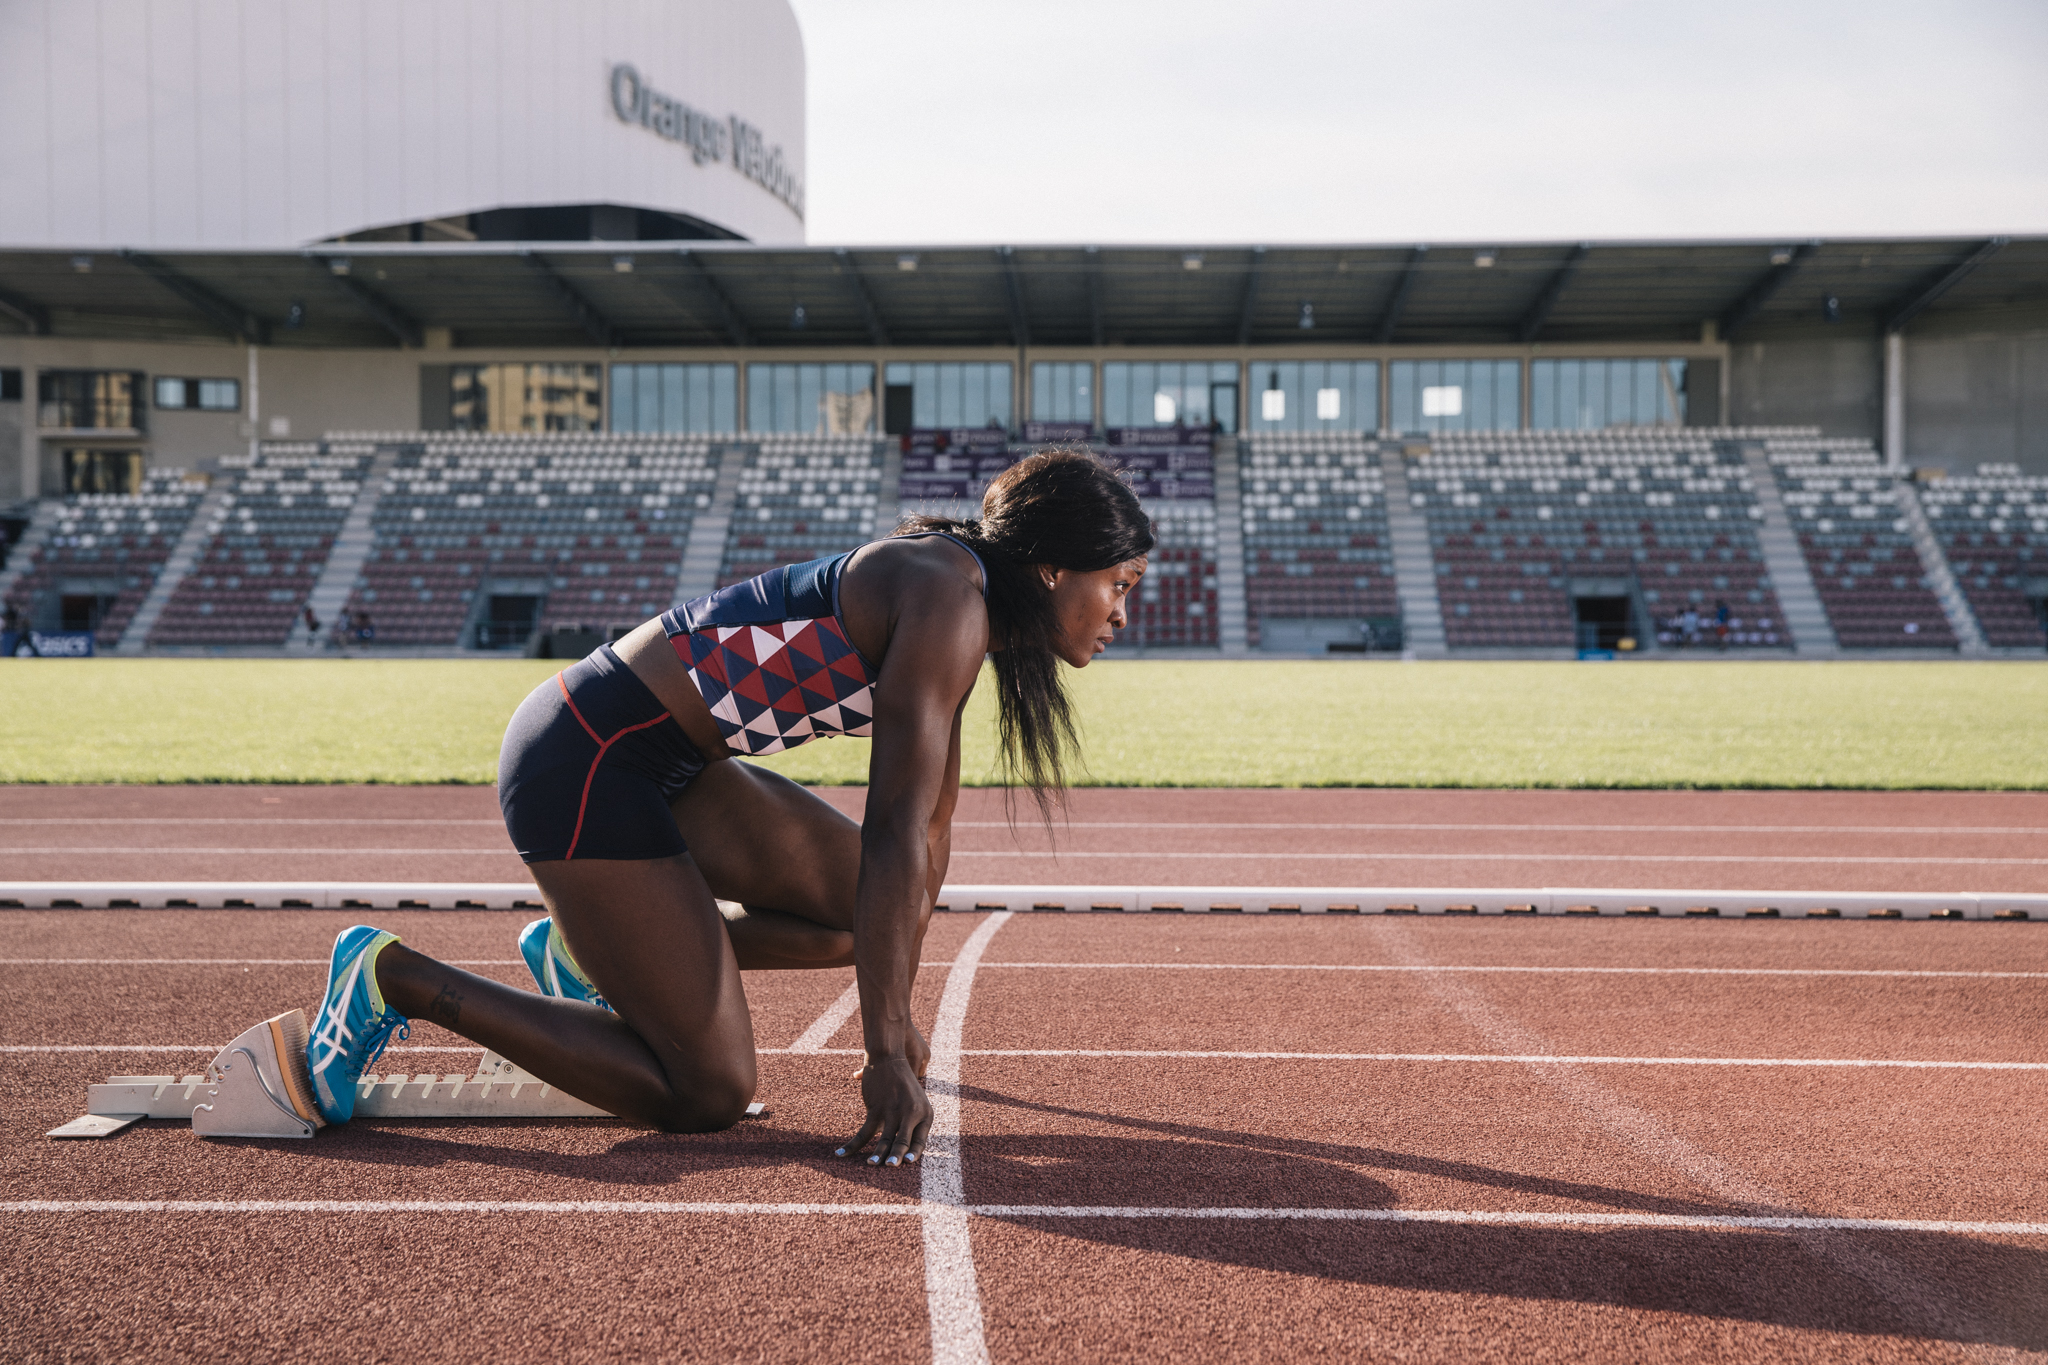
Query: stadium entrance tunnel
508	622
1605	619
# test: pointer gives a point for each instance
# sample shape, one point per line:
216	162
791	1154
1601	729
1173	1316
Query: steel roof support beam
1539	311
237	322
390	319
729	316
595	323
877	333
1095	294
1392	317
1251	295
1767	285
1020	326
32	316
1910	307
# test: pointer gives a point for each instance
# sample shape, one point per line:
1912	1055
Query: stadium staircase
1850	514
1991	531
803	497
351	548
1524	522
267	543
586	528
1232	625
704	551
1422	612
1812	636
109	545
198	530
1319	568
21	556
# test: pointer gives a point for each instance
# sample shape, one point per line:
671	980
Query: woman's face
1089	607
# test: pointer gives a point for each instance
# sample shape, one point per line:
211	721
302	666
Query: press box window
10	386
199	395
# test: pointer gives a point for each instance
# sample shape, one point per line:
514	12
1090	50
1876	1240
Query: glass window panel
170	393
675	410
625	416
1116	394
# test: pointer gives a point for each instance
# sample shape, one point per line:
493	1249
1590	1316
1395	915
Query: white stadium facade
497	322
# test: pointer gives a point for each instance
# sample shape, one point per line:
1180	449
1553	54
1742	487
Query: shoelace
334	1030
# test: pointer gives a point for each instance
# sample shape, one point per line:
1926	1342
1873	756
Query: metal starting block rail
1250	900
244	1093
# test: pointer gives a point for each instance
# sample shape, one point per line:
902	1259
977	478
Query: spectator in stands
365	631
1721	615
1689	625
617	793
312	628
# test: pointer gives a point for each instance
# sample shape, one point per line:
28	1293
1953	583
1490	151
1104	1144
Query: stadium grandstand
1592	449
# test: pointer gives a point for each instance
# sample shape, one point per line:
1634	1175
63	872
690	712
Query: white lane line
814	1038
951	1295
223	961
257	821
1538	1058
841	1011
1452	1217
1244	855
1432	968
1284	825
240	822
131	851
1141	1054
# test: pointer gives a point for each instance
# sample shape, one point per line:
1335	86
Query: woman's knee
715	1099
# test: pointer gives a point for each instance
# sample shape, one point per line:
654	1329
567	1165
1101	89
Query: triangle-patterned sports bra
771	658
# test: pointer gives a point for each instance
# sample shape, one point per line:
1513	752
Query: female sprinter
617	792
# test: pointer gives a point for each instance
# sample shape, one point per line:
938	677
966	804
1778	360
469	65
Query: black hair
1062	508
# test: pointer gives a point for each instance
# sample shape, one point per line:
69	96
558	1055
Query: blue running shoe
354	1024
554	970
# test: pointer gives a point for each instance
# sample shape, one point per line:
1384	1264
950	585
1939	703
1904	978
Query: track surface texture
1791	841
1160	1136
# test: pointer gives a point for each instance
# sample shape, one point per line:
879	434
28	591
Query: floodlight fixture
1307	322
907	262
796	319
295	316
1831	309
622	264
82	264
1781	255
1483	260
339	266
1191	261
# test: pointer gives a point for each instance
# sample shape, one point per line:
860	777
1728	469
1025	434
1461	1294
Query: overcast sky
936	121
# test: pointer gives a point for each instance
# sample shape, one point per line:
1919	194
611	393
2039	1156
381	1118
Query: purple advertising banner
1058	433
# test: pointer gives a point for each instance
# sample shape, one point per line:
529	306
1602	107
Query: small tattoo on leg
446	1008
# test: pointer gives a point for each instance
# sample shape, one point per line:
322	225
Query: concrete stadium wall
1834	383
1970	399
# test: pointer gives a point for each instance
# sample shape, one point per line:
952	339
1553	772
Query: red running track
1473	1197
1973	842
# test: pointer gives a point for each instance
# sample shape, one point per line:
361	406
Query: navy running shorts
590	762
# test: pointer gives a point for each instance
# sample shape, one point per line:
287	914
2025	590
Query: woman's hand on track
899	1114
919	1050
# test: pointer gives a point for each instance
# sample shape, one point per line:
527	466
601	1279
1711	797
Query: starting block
247	1092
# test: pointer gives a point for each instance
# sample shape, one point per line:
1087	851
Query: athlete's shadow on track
1927	1285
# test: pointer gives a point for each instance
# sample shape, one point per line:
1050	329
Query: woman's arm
939	636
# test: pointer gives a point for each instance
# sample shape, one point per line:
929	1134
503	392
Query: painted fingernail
840	1152
912	1158
874	1161
892	1161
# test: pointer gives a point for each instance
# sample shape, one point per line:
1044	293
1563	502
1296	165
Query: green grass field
1146	723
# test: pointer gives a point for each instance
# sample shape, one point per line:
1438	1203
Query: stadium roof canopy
710	294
